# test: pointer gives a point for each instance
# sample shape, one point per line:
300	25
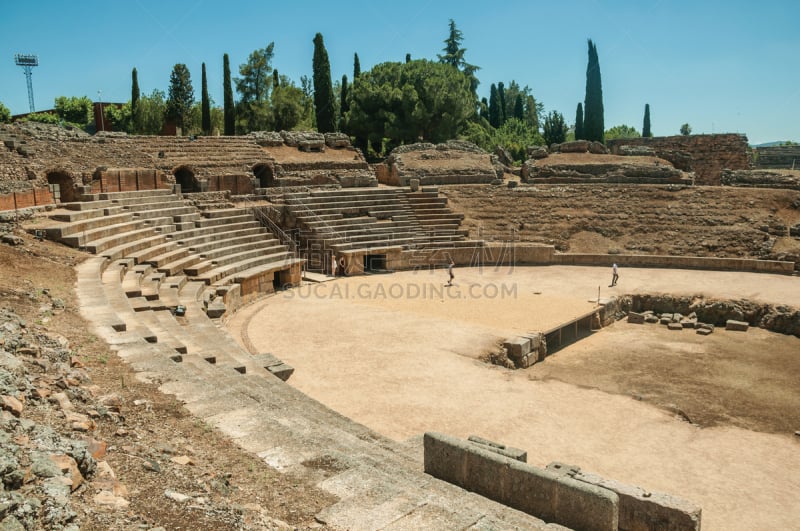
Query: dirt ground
710	419
241	492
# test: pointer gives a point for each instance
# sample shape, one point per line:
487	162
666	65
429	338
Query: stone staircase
167	243
372	220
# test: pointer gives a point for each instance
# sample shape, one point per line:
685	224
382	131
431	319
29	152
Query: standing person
614	275
333	265
450	272
342	266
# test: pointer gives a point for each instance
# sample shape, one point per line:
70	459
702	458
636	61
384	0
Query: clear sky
721	66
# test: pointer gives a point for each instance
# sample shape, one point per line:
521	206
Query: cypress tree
323	88
343	106
229	111
593	122
484	109
501	95
408	58
134	91
646	125
356	67
205	105
276	80
494	107
579	133
519	108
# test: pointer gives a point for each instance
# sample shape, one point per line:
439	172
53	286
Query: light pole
100	101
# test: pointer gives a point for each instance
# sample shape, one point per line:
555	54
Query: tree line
391	104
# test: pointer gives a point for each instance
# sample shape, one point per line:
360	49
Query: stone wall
708	155
30	198
454	162
761	179
128	180
777	157
241	184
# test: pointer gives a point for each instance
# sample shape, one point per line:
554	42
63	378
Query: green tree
501	99
120	118
74	110
287	106
229	111
406	102
686	129
343	105
205	105
519	108
276	79
579	135
150	114
307	88
534	112
555	129
495	115
254	87
454	56
483	113
408	58
5	114
323	88
593	121
646	124
356	67
135	95
181	97
622	131
515	136
42	117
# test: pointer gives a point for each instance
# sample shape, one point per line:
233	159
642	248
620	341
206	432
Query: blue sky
721	66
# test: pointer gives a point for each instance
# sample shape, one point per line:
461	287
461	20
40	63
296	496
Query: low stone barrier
640	509
541	493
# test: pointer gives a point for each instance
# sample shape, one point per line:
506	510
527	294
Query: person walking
614	275
450	272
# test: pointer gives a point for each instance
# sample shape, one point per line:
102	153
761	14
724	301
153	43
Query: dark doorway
185	177
265	175
375	262
62	186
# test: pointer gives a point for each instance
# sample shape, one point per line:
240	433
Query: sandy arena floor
400	354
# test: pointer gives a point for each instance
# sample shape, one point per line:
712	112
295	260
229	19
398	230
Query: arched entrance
184	176
62	186
265	175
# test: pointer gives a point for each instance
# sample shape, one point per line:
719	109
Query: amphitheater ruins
210	267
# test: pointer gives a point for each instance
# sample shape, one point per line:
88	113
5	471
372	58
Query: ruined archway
62	186
184	176
265	174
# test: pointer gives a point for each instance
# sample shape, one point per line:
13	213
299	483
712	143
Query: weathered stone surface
503	156
337	140
537	152
761	178
674	326
598	148
737	326
636	318
705	155
636	151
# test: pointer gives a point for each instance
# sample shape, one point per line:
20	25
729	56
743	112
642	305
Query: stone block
665	319
636	318
674	326
704	331
707	326
514	453
641	509
688	322
651	318
736	326
517	347
281	370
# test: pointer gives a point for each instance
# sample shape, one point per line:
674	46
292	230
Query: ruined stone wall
236	184
128	180
709	154
777	157
762	179
29	198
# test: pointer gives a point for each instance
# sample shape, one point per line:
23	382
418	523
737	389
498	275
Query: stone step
137	194
211	276
60	232
119	239
246	253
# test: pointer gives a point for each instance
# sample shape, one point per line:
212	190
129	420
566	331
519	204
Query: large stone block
517	347
636	318
736	326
